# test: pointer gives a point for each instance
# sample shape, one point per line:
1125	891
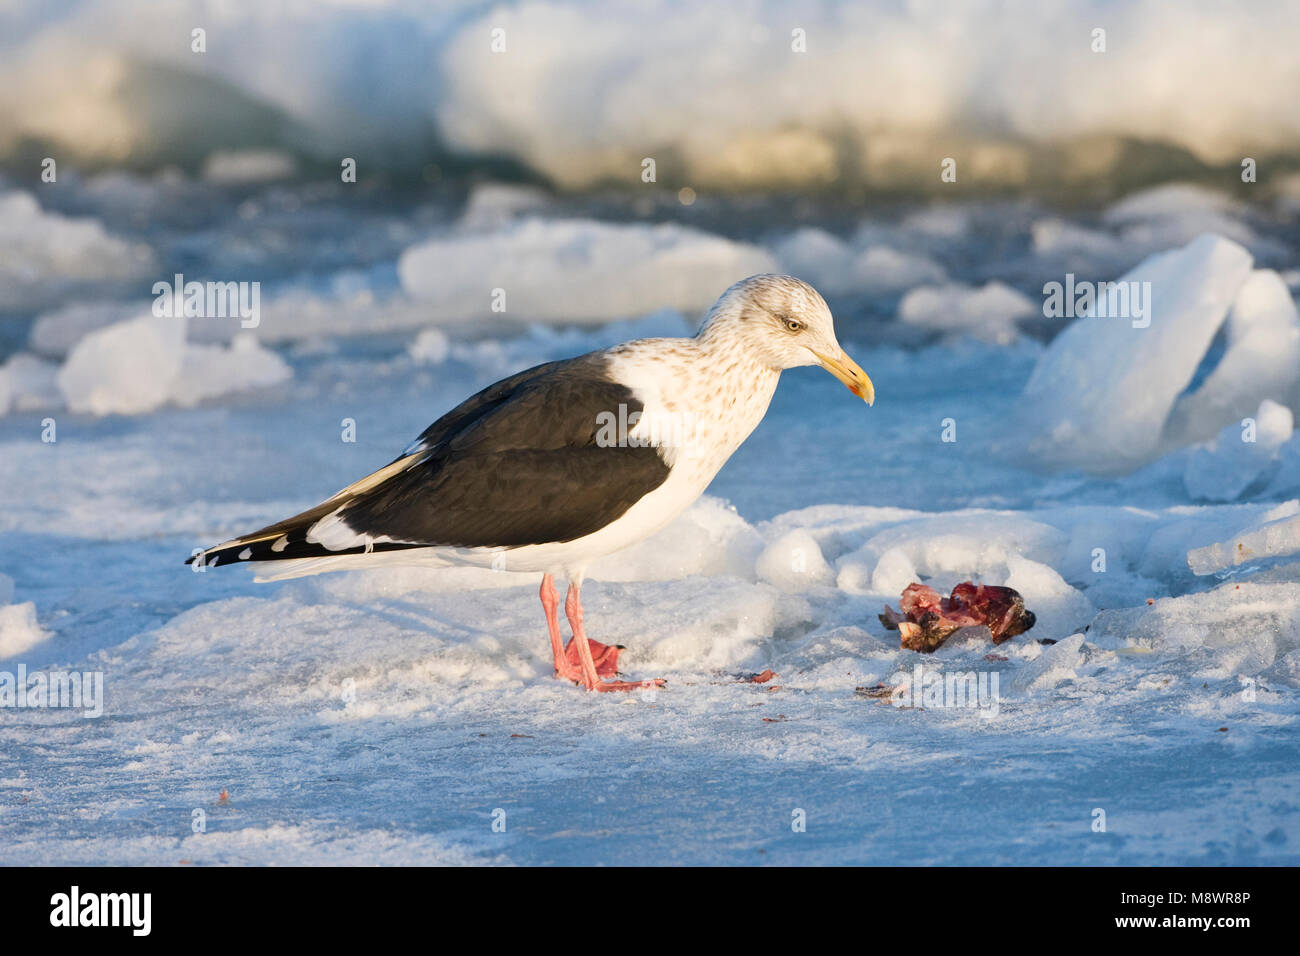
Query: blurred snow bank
581	271
27	383
43	254
565	271
761	112
989	313
248	166
871	267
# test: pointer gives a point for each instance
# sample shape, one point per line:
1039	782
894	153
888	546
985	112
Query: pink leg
564	668
591	677
605	656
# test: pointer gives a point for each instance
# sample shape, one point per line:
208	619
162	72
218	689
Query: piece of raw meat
927	619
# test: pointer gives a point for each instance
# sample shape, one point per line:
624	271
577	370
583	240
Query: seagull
569	461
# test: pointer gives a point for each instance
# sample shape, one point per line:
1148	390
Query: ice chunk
1245	626
853	577
893	572
1262	361
1057	663
1242	457
794	563
1059	608
208	371
28	383
19	631
988	313
54	333
128	368
346	308
1102	538
1181	529
1287	480
609	270
1099	397
1268	540
960	546
136	366
431	347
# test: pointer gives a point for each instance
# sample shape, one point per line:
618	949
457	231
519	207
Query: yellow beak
851	374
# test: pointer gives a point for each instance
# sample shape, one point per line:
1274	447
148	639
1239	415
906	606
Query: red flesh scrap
927	619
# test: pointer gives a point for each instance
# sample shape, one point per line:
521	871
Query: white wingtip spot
280	543
245	554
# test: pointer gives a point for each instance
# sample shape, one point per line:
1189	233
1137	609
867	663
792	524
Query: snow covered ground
395	716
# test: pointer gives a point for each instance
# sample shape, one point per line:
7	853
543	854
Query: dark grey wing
516	464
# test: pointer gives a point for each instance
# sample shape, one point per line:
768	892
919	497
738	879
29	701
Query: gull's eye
793	325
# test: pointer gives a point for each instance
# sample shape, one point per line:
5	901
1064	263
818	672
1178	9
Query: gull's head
784	323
